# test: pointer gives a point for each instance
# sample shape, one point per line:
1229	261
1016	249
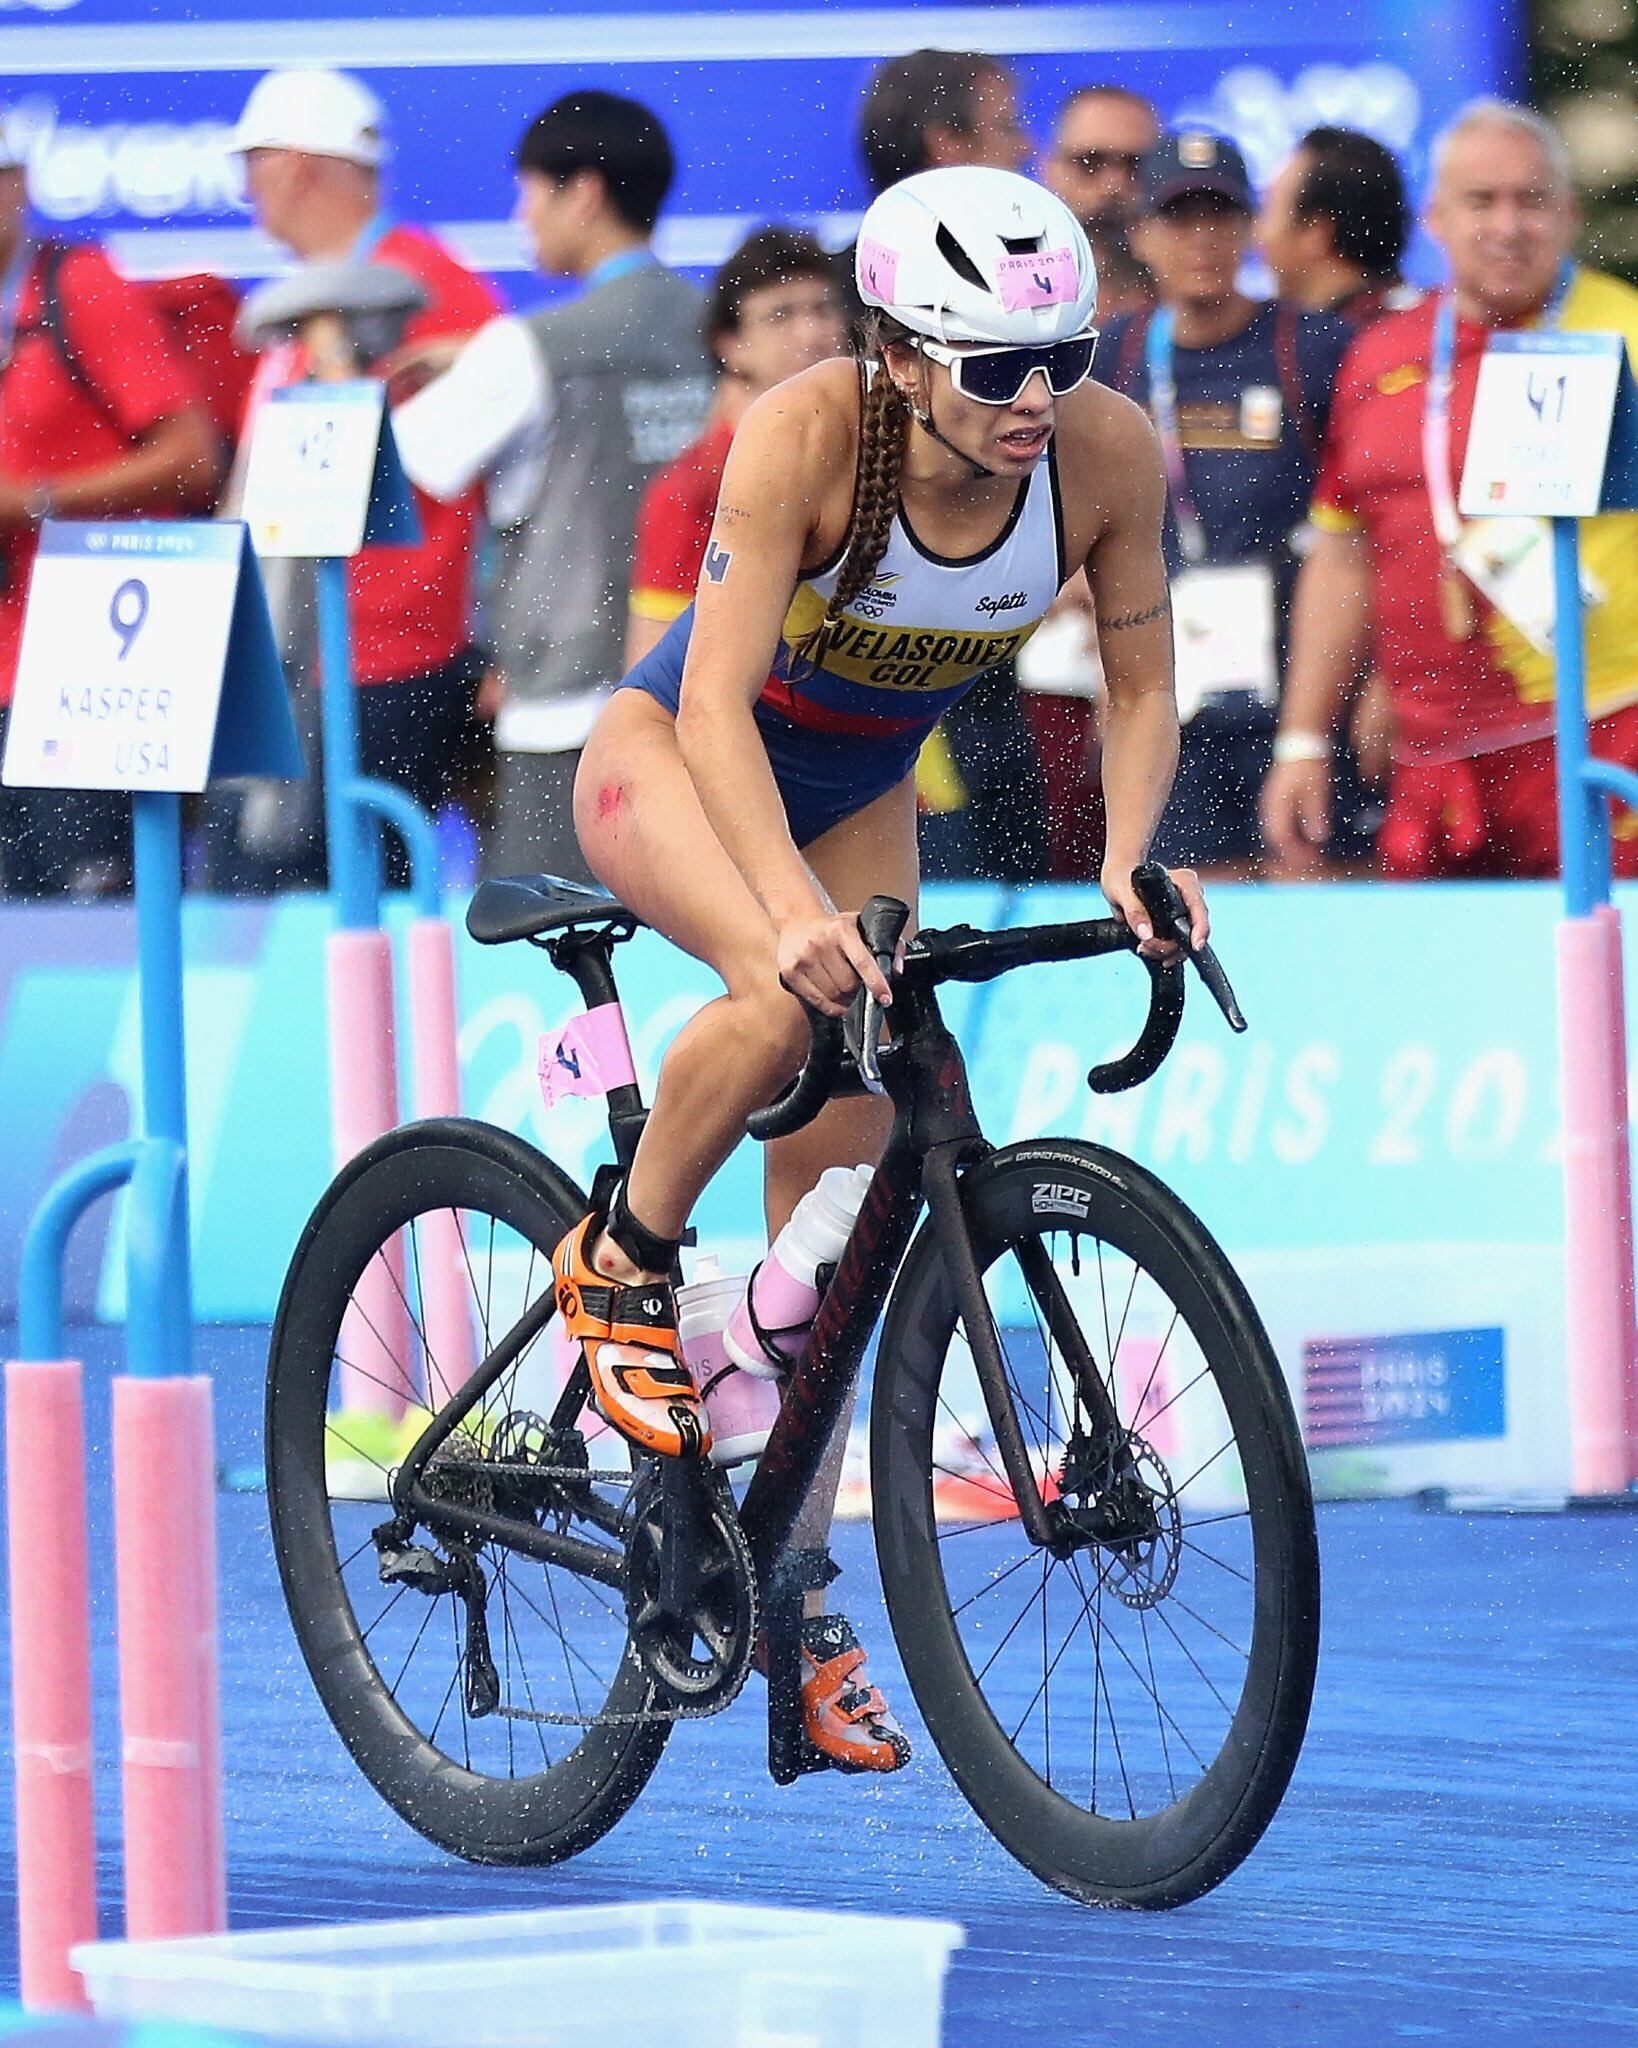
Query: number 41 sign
148	661
1554	427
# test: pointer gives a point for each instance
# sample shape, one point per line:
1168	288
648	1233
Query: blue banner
1398	1085
123	110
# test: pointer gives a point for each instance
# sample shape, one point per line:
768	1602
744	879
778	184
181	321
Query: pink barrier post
1608	920
164	1528
445	1290
50	1677
1597	1206
375	1343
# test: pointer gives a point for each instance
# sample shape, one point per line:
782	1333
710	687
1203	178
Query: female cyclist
887	530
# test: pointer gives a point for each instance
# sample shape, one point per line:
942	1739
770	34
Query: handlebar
963	954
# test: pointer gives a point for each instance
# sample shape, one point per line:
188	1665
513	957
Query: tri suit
843	732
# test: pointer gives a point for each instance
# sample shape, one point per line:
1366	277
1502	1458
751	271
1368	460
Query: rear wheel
491	1699
1123	1709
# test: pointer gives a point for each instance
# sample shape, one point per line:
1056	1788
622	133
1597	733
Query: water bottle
741	1409
784	1289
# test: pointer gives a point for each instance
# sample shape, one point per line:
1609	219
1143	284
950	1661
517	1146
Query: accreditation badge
1510	561
1223	634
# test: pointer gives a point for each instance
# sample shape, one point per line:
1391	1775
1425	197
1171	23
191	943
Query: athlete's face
1504	218
1194	247
1006	439
783	329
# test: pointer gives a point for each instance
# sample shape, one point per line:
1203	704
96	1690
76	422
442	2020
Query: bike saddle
524	906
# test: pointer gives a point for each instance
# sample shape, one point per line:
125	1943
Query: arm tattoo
727	513
1119	625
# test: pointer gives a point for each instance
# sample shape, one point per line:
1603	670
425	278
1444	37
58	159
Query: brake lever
881	924
1163	900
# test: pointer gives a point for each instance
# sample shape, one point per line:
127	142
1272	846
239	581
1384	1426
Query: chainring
723	1612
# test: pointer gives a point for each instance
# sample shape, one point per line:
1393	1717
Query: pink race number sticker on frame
589	1055
878	267
1047	279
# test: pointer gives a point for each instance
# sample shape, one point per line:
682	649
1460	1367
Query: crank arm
955	1247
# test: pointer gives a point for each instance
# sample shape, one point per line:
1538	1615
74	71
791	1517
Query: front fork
947	1208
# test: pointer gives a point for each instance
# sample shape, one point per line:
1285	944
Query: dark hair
884	430
617	138
1356	184
772	255
909	95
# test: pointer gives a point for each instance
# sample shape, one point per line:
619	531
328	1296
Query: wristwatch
1290	747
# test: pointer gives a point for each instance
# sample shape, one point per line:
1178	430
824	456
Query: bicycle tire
548	1814
1193	1841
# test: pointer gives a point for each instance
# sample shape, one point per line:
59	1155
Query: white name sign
1541	425
126	641
314	450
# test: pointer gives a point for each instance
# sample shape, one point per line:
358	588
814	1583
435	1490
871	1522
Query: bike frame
935	1135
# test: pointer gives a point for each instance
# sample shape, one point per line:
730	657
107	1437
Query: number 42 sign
148	661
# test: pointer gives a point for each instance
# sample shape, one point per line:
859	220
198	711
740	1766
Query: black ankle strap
639	1243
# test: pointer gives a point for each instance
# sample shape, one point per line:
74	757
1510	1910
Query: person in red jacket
314	143
115	432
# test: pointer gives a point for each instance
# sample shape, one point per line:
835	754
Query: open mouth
1026	440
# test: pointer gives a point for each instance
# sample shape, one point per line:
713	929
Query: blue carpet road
1455	1861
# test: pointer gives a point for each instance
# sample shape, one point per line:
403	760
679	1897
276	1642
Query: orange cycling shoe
629	1335
846	1719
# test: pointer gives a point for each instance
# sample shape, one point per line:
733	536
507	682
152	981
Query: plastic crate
664	1974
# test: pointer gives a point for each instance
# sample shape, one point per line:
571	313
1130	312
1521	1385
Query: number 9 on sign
128	612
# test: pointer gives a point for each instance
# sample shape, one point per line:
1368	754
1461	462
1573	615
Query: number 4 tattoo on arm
1120	623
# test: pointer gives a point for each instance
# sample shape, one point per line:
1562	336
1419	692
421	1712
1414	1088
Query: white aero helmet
974	255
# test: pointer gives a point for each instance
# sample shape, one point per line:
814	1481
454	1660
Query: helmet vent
958	259
1022	245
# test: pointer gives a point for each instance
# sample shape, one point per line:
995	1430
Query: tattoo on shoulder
1125	619
727	513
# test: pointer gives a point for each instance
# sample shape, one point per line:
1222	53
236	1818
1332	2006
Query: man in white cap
99	419
314	144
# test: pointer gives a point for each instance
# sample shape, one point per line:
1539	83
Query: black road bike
1092	1511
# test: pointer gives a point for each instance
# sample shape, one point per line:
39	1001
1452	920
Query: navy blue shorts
822	777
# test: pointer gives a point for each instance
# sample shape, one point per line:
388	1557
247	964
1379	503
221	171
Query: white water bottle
741	1409
784	1289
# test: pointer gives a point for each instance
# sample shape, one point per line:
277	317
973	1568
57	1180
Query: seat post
588	956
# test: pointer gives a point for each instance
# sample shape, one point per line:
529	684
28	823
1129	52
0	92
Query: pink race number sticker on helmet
878	267
1047	279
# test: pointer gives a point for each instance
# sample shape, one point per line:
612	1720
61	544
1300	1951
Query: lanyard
613	267
373	233
1191	534
1436	459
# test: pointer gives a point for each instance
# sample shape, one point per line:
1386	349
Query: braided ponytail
884	429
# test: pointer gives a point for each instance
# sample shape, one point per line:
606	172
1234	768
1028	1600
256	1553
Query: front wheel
1124	1709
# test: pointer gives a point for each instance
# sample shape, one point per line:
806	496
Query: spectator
568	413
1102	135
939	107
1473	788
1100	138
773	311
983	801
1239	393
1334	225
314	143
118	431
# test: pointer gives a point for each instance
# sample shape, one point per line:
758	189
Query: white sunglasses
995	376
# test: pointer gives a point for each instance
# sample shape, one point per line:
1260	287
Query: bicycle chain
658	1714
